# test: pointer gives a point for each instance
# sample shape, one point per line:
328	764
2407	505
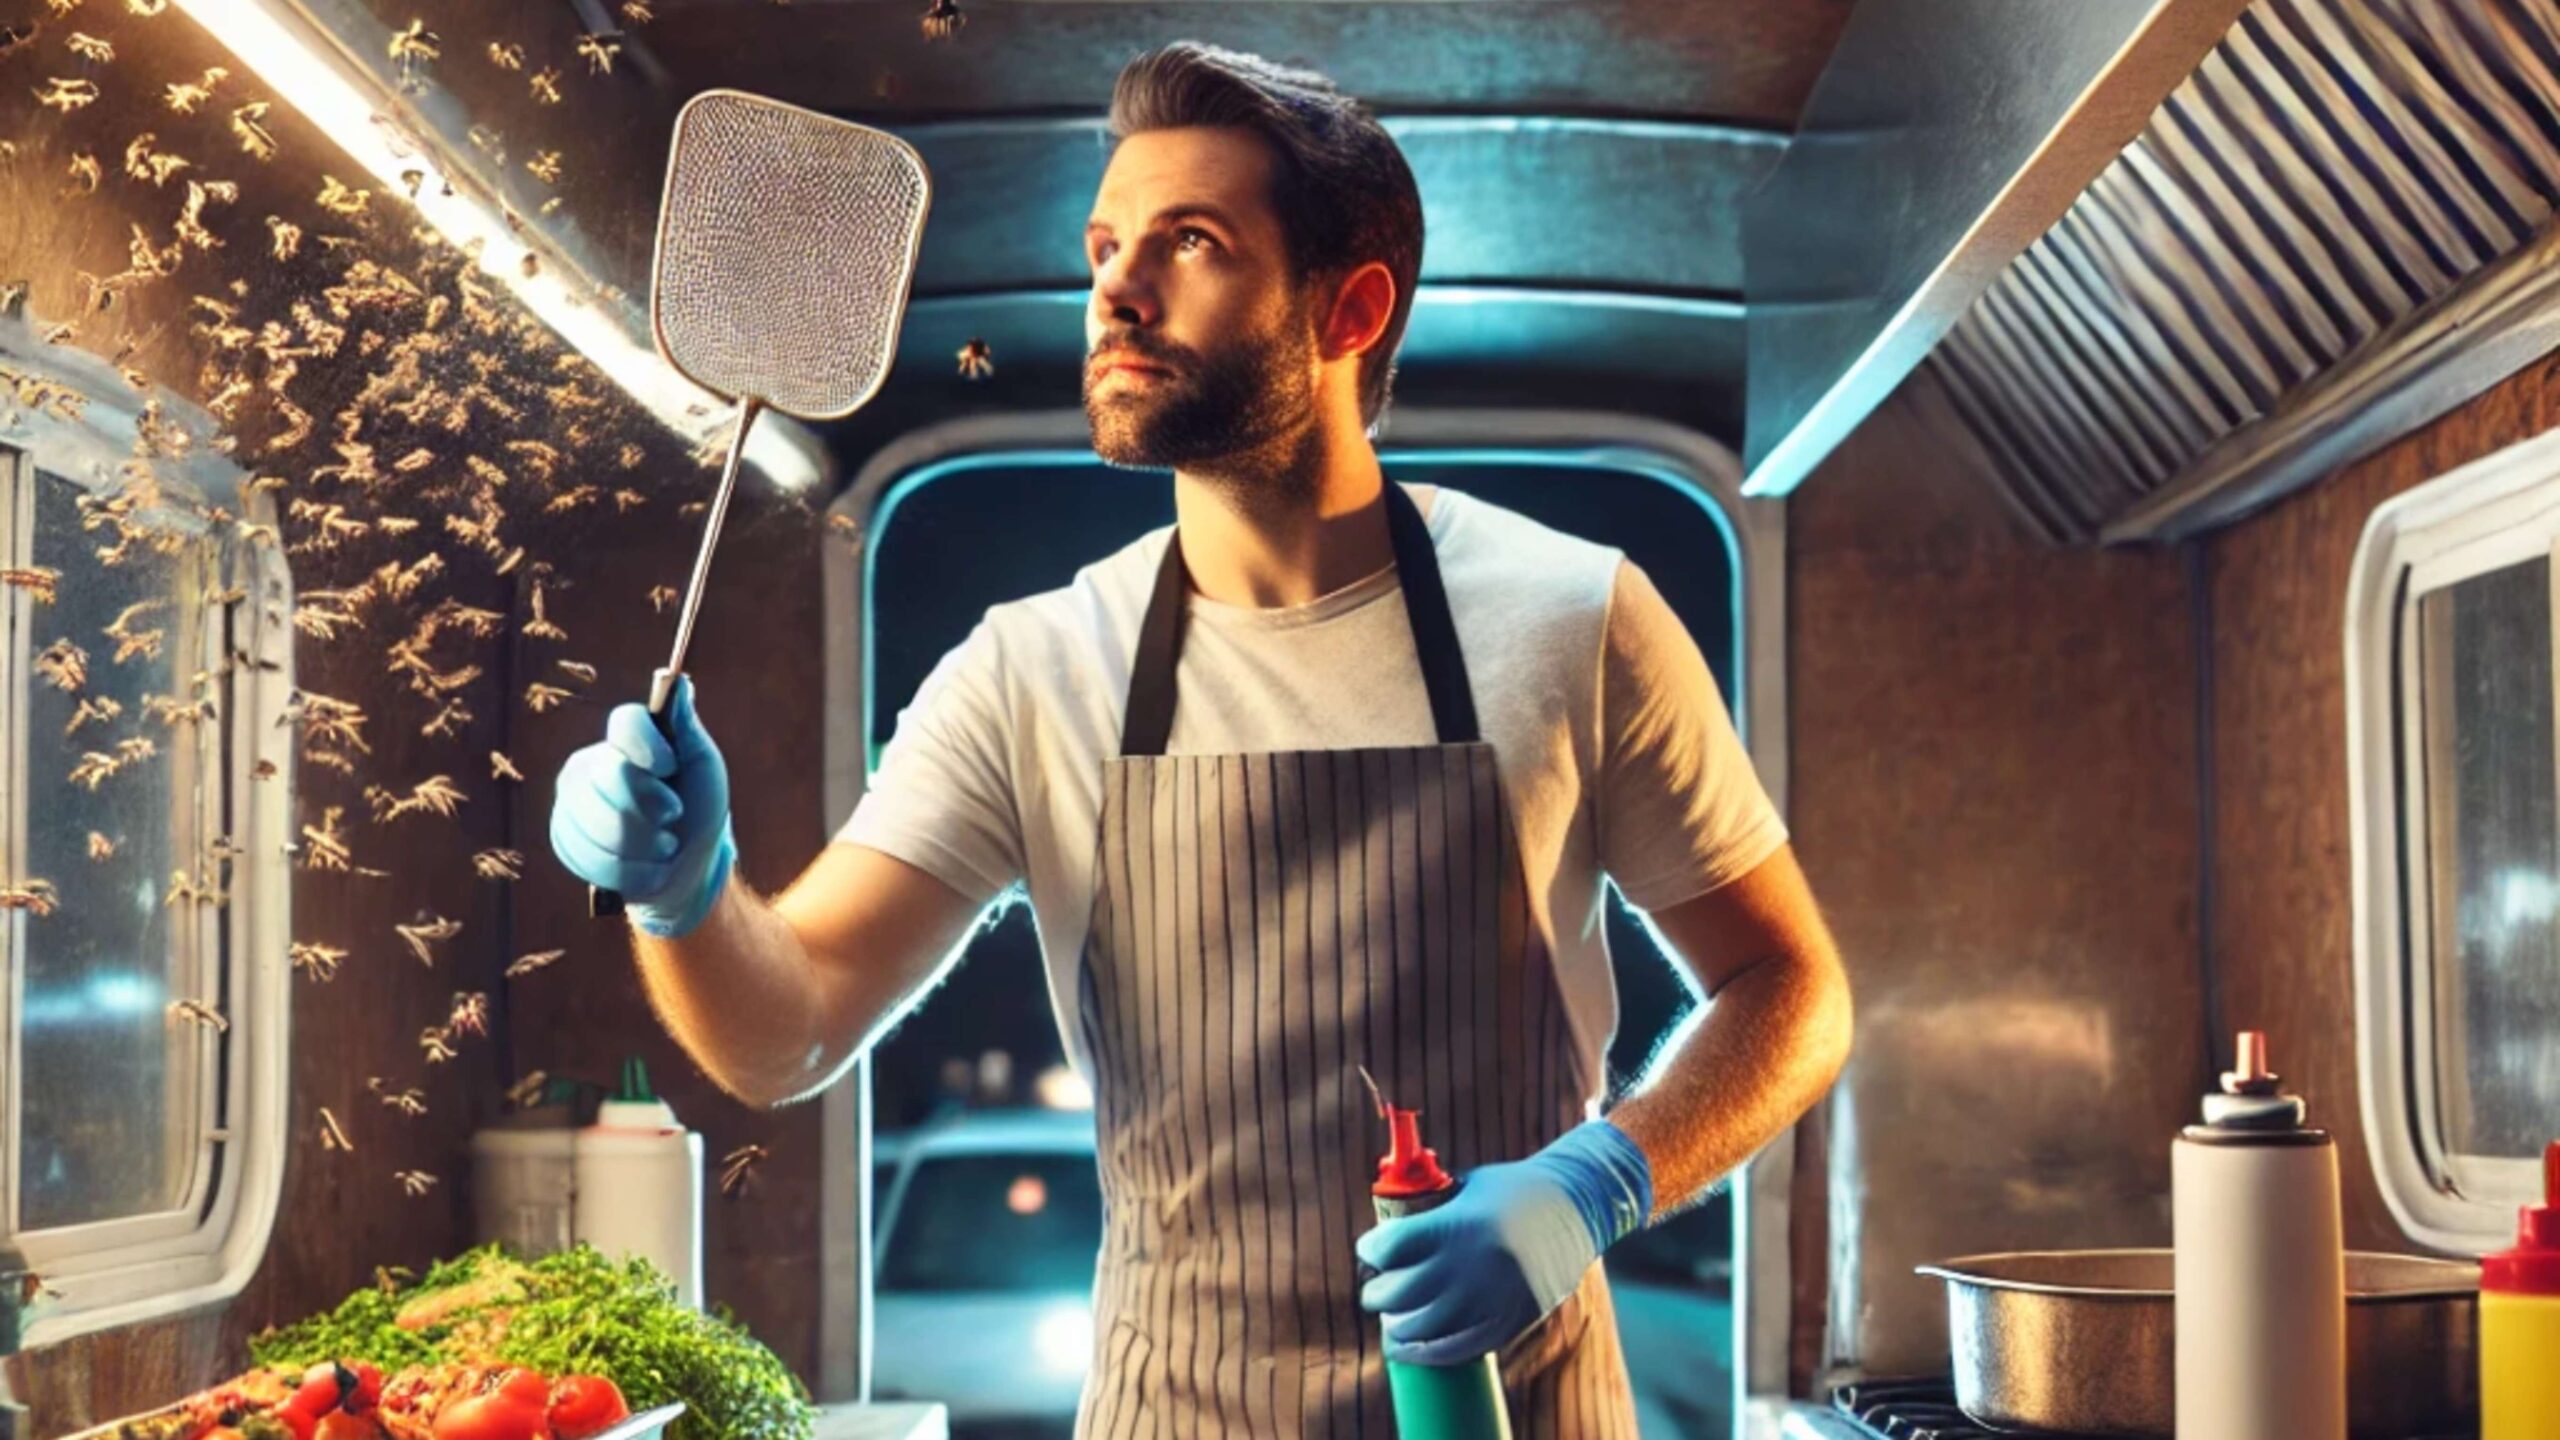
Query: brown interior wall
341	1214
756	659
2282	904
755	663
344	1214
1994	793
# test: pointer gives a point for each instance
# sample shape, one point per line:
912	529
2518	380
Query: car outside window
996	1223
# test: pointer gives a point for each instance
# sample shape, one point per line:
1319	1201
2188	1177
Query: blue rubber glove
1460	1282
650	819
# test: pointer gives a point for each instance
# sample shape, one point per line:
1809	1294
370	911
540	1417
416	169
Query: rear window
996	1222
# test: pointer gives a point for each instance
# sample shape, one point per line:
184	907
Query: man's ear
1363	302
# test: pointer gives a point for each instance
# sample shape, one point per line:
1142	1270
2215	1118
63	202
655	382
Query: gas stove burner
1917	1409
1924	1408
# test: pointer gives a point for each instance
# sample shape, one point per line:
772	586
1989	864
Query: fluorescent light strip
320	87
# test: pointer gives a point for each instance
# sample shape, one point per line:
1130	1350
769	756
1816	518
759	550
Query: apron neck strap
1147	721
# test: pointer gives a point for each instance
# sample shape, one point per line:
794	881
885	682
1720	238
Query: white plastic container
2260	1268
638	1190
522	1183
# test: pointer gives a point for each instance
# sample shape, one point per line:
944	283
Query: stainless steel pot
2084	1341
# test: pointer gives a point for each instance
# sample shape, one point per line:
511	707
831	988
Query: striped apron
1262	924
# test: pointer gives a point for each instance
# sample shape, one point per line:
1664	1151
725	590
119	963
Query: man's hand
650	819
1459	1282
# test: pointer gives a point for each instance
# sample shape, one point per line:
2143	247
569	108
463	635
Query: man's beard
1236	415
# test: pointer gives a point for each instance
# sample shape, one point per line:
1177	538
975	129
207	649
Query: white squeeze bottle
2261	1269
639	1184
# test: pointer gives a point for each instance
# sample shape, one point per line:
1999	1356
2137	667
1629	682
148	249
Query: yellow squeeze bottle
2520	1322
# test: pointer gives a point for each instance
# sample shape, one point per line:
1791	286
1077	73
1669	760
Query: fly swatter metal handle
603	904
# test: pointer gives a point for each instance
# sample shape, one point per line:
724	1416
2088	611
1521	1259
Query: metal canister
1432	1402
2260	1266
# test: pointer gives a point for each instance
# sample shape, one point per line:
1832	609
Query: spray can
2261	1269
2520	1321
1432	1402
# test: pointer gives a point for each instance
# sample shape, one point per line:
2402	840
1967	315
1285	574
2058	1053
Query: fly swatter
786	243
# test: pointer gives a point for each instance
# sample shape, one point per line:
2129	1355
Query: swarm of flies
411	436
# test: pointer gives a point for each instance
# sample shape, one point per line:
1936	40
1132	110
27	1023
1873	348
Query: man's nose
1121	296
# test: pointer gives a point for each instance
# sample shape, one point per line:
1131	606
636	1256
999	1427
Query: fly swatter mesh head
786	242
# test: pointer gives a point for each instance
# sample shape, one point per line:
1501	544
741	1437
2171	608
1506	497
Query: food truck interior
2104	453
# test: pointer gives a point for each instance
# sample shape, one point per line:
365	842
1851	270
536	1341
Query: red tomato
342	1425
368	1391
323	1386
498	1415
584	1405
527	1388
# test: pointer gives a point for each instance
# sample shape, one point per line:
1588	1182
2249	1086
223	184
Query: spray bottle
2261	1272
1432	1402
2520	1321
638	1175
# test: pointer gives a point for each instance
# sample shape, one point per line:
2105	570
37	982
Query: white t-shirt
1614	746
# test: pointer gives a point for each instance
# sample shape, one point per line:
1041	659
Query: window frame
132	1269
198	968
1755	532
2496	512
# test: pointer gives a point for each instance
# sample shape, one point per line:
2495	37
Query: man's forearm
740	994
1738	1073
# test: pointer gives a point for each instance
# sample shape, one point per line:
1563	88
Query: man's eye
1102	252
1187	234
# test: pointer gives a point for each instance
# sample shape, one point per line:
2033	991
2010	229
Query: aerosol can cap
2252	1098
1409	1167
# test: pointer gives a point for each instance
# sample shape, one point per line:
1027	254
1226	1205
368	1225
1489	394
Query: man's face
1192	288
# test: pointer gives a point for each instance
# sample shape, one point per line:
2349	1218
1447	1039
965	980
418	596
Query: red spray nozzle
2541	1227
2249	1074
1409	1167
2251	1054
2533	1266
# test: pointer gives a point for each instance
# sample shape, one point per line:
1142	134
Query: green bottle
1432	1402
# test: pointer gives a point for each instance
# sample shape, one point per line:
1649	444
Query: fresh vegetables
333	1390
584	1405
232	1411
338	1400
571	1314
518	1407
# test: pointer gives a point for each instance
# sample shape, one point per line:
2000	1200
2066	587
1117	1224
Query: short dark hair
1341	188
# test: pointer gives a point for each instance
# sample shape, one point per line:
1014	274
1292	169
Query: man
1326	776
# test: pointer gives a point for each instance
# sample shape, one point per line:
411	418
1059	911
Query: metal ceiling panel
2324	181
1943	139
1641	205
1741	61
